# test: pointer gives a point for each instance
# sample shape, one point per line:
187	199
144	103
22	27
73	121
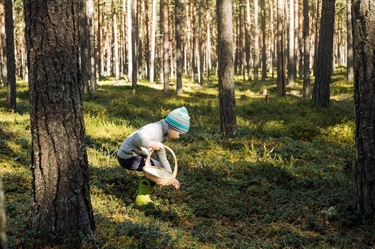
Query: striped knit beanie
179	120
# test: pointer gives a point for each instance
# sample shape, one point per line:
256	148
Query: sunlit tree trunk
98	54
166	64
192	40
264	46
91	47
61	206
200	44
256	41
134	37
271	38
208	45
115	59
10	57
129	39
349	32
324	60
153	42
248	41
228	125
178	35
146	35
86	50
108	44
291	50
300	43
364	100
306	61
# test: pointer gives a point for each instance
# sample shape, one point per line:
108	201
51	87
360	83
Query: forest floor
286	180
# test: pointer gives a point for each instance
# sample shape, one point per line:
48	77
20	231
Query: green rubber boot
144	190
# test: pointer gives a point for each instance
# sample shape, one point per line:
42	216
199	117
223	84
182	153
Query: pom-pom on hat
179	120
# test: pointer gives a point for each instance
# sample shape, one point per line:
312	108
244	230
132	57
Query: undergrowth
286	180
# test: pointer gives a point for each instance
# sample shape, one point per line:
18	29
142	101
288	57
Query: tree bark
281	67
349	30
228	125
166	65
10	57
61	207
364	100
291	54
248	41
264	46
3	239
91	46
324	61
134	37
153	42
306	61
178	35
256	42
3	63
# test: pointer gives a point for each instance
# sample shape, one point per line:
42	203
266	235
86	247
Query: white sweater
138	143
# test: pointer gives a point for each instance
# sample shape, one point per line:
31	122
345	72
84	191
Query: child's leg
137	162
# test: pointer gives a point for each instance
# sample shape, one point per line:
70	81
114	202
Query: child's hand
157	146
176	184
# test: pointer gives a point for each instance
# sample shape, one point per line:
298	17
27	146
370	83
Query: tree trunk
208	42
271	39
83	38
281	68
3	239
349	31
192	40
364	99
200	45
166	45
61	210
306	61
178	35
134	37
3	63
256	42
228	125
291	54
91	47
248	41
264	47
324	61
129	38
10	57
153	42
115	59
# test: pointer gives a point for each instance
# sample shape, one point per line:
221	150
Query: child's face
173	134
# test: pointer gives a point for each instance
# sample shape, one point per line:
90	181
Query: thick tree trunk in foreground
228	124
364	97
61	211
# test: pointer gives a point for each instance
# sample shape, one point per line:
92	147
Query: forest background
279	165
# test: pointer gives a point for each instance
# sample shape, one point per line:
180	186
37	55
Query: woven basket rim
158	179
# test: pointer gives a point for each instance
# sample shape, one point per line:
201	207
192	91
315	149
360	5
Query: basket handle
174	173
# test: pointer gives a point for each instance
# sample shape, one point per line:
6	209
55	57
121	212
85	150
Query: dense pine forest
280	149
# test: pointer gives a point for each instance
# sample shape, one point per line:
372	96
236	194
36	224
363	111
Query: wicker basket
159	175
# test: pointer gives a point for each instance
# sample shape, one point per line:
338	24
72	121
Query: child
134	150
